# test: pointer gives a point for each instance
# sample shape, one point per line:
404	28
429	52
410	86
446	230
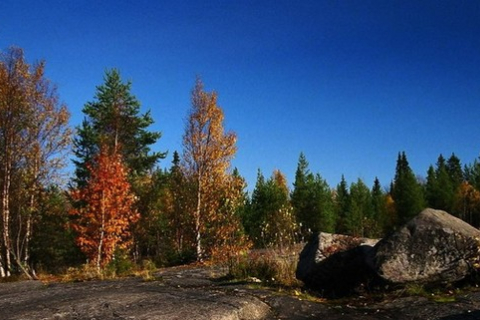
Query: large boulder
334	264
434	247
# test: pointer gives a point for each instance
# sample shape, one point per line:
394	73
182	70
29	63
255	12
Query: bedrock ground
194	293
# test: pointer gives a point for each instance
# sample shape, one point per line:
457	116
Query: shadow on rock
473	315
337	265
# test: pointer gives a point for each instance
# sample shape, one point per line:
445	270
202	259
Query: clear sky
349	83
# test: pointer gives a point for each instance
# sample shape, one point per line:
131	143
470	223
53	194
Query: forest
119	208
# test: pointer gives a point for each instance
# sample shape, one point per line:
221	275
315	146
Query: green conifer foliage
407	192
443	184
269	219
359	219
114	118
342	205
312	201
382	222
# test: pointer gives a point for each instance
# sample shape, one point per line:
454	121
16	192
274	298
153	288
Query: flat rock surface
179	295
193	293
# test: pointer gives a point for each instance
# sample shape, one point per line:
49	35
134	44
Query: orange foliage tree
106	211
468	203
34	139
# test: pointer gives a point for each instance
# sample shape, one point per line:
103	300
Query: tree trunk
6	218
102	235
2	268
198	234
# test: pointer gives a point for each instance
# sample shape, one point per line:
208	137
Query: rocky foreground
194	293
434	248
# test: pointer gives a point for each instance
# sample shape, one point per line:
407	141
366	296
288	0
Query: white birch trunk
6	219
198	234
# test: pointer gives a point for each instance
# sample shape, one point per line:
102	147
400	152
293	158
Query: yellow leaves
208	151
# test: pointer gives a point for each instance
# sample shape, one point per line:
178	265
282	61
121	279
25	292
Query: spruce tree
269	220
431	187
358	219
445	192
299	195
379	210
323	209
342	205
407	192
443	184
454	169
312	201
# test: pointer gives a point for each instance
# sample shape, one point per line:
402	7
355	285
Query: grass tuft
267	266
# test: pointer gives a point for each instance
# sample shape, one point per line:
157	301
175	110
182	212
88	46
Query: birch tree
34	138
207	153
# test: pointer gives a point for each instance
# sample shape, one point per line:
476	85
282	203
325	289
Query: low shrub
268	266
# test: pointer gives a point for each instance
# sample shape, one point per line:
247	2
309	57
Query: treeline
273	212
119	207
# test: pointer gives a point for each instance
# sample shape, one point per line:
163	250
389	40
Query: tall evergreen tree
114	118
443	184
407	192
342	205
301	197
323	208
379	211
431	187
445	189
454	169
255	210
269	220
312	201
180	223
359	217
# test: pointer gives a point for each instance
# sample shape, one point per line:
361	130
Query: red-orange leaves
105	210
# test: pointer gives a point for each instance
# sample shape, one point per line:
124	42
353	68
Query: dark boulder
336	265
433	247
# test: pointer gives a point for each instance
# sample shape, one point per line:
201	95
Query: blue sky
349	83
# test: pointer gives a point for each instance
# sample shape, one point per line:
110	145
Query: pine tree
407	193
114	118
